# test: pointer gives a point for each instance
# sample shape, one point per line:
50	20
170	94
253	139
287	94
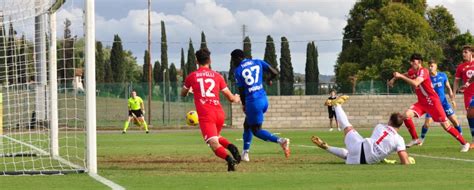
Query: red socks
224	142
221	152
411	128
455	133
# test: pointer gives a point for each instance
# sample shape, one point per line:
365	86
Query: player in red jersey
465	71
206	85
428	102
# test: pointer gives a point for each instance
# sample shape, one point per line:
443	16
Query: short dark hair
468	47
396	120
237	53
203	55
432	61
416	56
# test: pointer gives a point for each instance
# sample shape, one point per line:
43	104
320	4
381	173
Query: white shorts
353	142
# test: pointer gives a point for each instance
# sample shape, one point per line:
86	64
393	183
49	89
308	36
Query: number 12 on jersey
208	92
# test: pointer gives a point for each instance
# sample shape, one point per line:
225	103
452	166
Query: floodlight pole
149	62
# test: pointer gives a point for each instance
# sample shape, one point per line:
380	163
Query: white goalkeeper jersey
384	141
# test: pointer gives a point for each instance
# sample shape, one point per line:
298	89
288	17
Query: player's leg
340	115
255	111
337	124
470	115
331	117
425	127
247	138
127	123
143	122
414	111
339	152
220	118
211	137
448	110
440	116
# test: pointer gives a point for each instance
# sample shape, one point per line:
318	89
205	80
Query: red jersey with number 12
206	85
425	91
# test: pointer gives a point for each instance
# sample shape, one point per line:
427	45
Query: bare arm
403	155
455	86
229	96
184	92
412	82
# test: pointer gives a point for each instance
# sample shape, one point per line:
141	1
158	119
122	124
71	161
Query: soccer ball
192	118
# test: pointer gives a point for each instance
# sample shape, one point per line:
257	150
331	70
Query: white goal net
43	110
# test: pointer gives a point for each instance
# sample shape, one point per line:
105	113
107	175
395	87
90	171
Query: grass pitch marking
418	155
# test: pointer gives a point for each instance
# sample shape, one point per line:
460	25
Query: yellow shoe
319	142
340	100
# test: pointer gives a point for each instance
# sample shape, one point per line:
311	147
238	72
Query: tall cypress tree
3	47
286	75
191	63
271	58
231	78
117	60
316	67
66	65
164	56
247	48
146	65
203	40
173	74
109	74
183	65
157	72
21	65
99	63
309	70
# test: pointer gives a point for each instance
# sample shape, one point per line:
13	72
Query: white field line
107	182
418	155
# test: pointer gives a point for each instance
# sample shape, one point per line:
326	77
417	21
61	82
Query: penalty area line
417	155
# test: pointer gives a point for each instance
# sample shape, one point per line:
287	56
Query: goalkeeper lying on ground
384	140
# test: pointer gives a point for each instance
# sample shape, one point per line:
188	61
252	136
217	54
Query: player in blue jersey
249	77
440	82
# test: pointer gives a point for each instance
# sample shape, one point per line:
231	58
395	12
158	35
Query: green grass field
180	160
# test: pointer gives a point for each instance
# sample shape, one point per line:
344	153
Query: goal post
46	126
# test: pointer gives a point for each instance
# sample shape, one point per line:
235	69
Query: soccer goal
47	124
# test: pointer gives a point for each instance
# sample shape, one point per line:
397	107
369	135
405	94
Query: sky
301	21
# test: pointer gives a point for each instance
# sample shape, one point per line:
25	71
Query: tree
133	72
203	40
66	61
173	74
22	58
316	67
231	76
3	48
442	23
270	56
286	75
117	60
452	51
164	56
183	66
157	75
247	48
146	66
99	63
191	63
309	70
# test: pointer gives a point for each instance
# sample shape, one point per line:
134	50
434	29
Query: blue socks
266	136
424	130
459	128
471	125
247	136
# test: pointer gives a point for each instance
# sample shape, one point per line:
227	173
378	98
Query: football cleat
340	100
235	152
414	142
422	141
465	147
285	145
230	164
319	142
147	132
245	156
331	129
123	132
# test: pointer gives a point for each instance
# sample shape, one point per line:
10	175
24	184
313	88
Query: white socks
339	152
341	117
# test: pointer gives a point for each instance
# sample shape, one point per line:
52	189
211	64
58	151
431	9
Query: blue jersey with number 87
249	74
